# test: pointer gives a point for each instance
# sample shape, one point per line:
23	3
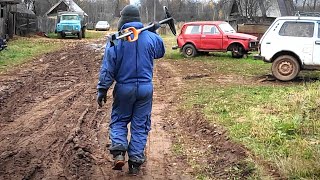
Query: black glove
102	96
155	26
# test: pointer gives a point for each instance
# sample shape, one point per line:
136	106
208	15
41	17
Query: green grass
90	34
278	122
169	43
281	124
23	49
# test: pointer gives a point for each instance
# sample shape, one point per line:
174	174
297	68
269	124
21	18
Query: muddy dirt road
51	127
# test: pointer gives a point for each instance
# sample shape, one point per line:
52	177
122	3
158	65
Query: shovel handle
135	33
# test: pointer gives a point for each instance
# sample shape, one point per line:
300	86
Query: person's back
134	60
130	64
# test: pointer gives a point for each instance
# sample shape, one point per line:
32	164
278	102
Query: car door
298	37
211	38
316	48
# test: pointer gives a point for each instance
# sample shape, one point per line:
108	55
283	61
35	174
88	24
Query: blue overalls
130	64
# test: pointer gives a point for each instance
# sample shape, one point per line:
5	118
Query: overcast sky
133	1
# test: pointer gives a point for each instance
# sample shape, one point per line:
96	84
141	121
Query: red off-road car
214	36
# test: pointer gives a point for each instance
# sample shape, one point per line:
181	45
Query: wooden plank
2	29
10	1
252	28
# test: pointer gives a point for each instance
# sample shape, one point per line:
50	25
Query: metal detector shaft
126	33
144	28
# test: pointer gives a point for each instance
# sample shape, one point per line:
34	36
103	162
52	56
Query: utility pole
154	10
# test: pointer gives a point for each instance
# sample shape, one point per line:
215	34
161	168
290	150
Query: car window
318	30
193	30
210	29
69	17
226	28
297	29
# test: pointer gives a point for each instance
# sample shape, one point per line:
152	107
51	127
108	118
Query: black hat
129	13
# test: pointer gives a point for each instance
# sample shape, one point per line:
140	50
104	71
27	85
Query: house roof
21	8
64	5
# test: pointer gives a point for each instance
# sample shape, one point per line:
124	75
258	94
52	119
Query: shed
64	5
259	11
7	18
256	16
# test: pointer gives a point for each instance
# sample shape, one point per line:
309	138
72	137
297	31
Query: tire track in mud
47	119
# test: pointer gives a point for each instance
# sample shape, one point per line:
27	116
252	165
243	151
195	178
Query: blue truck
71	24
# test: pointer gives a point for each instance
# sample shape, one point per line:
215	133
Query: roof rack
313	14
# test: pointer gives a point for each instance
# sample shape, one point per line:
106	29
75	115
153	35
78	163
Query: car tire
84	33
237	51
79	35
285	68
189	50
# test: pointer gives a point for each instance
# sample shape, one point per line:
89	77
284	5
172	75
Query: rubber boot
134	168
119	160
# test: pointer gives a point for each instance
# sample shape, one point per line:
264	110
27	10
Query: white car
102	26
291	44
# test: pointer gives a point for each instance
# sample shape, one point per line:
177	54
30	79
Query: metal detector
126	33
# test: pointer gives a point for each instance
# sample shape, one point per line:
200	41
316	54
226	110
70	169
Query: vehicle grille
254	45
68	28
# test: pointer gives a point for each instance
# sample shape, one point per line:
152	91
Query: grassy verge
21	50
278	123
169	43
90	34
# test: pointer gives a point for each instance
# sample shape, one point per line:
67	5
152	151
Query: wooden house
64	5
254	17
259	11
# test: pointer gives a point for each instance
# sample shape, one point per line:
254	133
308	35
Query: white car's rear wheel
285	68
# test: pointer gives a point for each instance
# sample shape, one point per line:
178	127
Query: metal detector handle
133	31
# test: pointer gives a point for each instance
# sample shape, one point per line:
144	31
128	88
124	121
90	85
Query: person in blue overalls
130	64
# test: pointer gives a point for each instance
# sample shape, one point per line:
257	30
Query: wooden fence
25	24
46	25
254	29
2	27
